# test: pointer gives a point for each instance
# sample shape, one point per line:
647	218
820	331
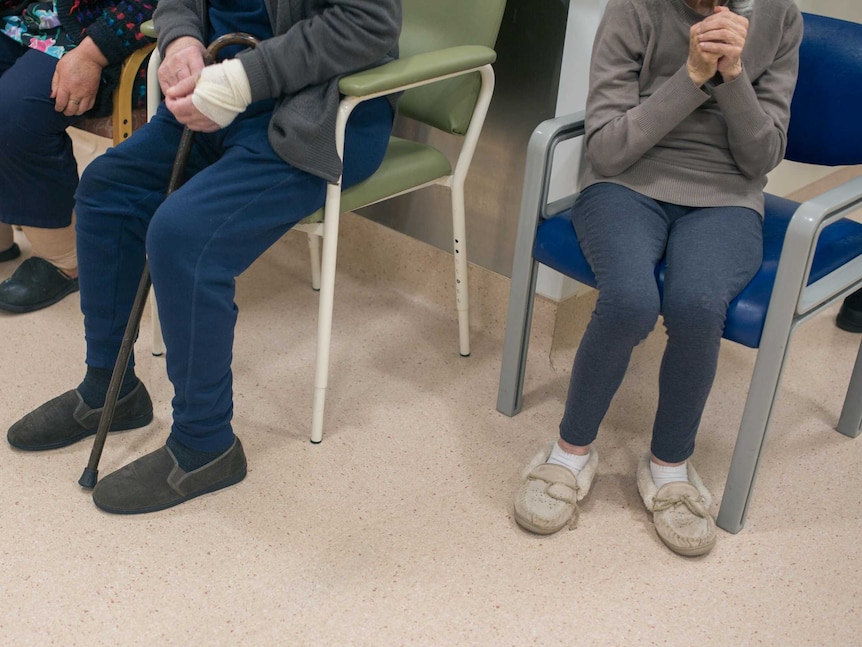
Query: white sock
573	462
663	474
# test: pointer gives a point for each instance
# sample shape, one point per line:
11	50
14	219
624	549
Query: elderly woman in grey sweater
687	111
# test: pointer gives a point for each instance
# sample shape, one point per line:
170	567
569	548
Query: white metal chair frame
323	265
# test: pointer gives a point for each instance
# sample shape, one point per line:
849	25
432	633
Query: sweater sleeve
116	32
177	18
758	112
621	125
346	36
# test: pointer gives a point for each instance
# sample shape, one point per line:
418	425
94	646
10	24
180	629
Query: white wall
583	21
844	9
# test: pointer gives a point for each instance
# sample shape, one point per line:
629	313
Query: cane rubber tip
88	478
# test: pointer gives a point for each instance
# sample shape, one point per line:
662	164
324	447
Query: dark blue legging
38	174
711	253
239	199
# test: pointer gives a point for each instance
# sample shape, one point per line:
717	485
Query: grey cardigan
649	128
315	43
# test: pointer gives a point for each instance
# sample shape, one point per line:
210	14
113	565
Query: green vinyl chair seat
406	165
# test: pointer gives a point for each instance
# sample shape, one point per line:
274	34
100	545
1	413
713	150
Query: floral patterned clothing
38	27
57	26
114	25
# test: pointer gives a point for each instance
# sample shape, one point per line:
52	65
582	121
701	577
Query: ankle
662	474
190	459
94	388
574	462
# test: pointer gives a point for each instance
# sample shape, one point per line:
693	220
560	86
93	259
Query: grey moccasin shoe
156	481
680	511
548	498
67	419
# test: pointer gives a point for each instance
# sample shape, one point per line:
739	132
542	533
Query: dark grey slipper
67	419
35	284
156	481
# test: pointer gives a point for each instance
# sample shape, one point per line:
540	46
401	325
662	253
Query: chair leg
519	319
324	320
154	97
314	253
158	340
850	422
752	435
462	297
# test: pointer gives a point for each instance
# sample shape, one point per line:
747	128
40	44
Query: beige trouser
57	246
6	236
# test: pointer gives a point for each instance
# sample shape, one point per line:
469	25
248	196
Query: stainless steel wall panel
529	53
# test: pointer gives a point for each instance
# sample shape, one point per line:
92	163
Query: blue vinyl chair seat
557	247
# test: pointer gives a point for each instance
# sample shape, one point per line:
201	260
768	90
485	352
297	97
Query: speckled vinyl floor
397	529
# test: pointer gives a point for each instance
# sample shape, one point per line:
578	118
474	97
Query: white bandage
222	91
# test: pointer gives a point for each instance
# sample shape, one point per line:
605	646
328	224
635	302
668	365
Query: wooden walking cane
90	476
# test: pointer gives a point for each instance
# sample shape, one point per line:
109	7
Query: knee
95	182
697	316
162	236
172	247
19	131
631	315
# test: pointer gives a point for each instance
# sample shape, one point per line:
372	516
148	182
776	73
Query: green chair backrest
436	24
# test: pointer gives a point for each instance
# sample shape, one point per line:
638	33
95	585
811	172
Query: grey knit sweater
315	43
651	129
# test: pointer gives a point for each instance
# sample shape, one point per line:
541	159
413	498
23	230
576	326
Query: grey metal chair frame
793	301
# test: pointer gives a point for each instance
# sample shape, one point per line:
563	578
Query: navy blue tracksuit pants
240	197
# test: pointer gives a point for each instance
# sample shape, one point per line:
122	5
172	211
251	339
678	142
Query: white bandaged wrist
222	91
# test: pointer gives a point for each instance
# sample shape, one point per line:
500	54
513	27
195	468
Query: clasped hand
715	46
178	75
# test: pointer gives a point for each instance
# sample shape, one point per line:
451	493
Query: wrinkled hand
722	35
178	74
179	101
76	79
701	65
184	59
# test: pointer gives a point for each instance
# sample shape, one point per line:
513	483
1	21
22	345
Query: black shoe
10	253
156	481
35	284
67	419
850	316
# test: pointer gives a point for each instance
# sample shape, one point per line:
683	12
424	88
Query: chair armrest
123	122
540	156
148	29
800	242
416	70
551	132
